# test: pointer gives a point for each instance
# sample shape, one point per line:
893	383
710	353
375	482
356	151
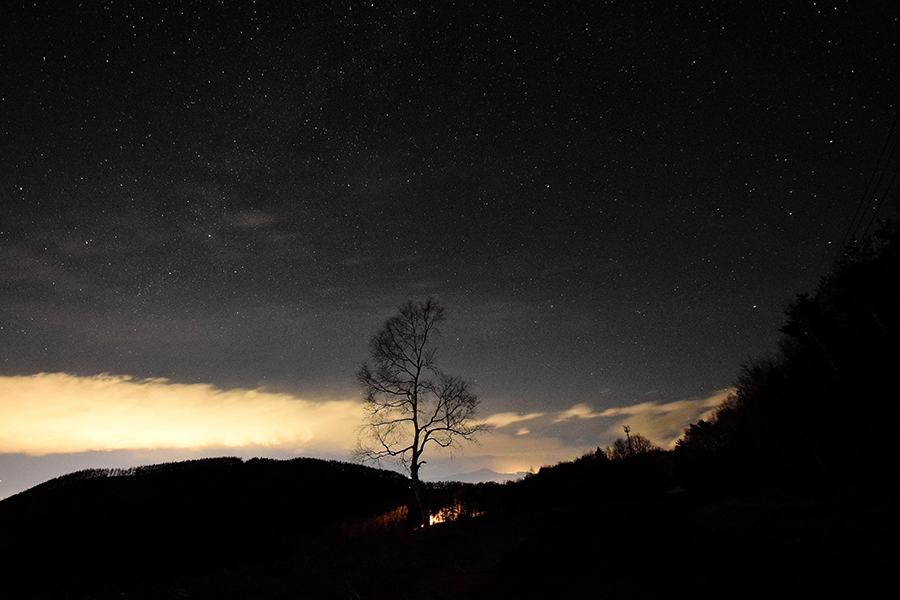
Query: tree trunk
420	493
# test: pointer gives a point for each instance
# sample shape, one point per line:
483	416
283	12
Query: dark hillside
166	520
592	528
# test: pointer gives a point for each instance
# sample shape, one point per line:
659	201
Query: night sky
209	208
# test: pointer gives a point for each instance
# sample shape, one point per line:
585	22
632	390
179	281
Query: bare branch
409	402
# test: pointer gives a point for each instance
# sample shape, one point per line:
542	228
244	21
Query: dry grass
393	520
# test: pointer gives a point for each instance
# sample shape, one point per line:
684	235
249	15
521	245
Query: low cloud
56	414
579	411
504	419
664	423
52	413
582	426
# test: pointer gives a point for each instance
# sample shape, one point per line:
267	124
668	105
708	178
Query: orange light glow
54	412
451	513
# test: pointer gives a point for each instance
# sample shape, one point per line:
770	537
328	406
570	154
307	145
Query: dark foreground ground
835	546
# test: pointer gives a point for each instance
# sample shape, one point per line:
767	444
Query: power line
885	194
868	196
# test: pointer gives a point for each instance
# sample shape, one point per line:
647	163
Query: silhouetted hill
184	517
228	529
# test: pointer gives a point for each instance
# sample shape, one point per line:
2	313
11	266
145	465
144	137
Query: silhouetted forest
790	489
823	410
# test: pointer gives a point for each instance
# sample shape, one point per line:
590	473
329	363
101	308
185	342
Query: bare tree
634	445
409	402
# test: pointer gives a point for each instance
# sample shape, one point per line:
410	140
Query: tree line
819	413
823	409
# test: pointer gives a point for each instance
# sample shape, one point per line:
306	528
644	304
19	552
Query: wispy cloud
664	423
579	411
582	426
504	419
252	219
59	413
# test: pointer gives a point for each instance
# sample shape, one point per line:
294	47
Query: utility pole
628	437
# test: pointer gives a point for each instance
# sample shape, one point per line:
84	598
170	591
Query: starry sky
208	208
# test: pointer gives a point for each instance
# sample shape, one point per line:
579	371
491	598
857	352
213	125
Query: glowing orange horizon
58	413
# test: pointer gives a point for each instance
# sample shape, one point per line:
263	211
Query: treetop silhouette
409	402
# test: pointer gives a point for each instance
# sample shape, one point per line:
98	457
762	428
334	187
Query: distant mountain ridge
487	475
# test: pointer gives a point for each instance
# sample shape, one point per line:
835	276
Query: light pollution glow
59	414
